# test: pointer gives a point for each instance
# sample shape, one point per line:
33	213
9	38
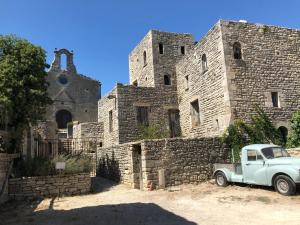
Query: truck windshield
275	152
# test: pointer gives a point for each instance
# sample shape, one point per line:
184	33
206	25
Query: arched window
63	117
204	63
237	50
63	61
167	80
284	133
145	58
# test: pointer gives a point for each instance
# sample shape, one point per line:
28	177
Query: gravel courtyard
185	205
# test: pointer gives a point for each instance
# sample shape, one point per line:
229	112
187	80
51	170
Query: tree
294	134
259	131
23	87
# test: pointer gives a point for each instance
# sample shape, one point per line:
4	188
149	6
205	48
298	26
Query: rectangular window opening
275	99
161	48
187	83
110	121
182	50
195	113
142	116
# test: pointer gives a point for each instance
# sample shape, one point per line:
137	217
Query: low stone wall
49	186
178	161
295	152
5	161
161	163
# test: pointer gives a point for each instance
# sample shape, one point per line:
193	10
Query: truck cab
262	164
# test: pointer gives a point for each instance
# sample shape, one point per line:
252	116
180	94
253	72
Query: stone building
74	95
151	97
196	89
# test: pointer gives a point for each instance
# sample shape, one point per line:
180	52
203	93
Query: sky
102	33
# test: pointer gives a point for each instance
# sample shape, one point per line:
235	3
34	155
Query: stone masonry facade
161	163
235	67
49	186
195	90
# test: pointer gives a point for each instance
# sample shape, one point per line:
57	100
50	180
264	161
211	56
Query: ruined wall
270	63
184	161
49	186
209	87
158	101
294	152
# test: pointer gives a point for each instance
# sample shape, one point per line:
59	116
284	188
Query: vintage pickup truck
262	164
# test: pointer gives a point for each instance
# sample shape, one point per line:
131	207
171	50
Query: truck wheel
284	185
221	179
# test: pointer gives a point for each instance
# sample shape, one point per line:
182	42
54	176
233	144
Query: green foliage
156	131
23	87
40	166
294	134
260	130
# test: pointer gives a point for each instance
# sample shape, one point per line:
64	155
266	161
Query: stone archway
63	117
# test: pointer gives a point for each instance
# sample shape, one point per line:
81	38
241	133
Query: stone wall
49	186
208	86
115	163
88	130
183	161
158	63
162	162
157	100
270	63
106	105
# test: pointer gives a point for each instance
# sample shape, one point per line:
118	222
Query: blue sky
103	32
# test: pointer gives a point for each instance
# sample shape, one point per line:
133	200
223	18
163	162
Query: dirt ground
185	205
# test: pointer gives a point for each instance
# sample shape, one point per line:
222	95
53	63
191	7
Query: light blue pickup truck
262	164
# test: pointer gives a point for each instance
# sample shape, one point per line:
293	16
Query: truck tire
284	185
221	179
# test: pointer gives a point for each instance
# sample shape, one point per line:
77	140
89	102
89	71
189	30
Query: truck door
254	168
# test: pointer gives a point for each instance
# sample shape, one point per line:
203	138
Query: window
145	58
275	99
204	63
63	117
63	61
161	48
62	79
195	113
135	83
167	80
251	155
142	115
110	121
237	50
187	83
182	50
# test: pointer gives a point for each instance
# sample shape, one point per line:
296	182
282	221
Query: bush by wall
40	166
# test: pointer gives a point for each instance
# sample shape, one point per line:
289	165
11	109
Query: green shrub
294	134
40	166
155	131
259	131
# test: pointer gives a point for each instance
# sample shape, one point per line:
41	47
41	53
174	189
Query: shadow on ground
100	184
120	214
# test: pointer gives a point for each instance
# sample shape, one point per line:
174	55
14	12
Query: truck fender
227	173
